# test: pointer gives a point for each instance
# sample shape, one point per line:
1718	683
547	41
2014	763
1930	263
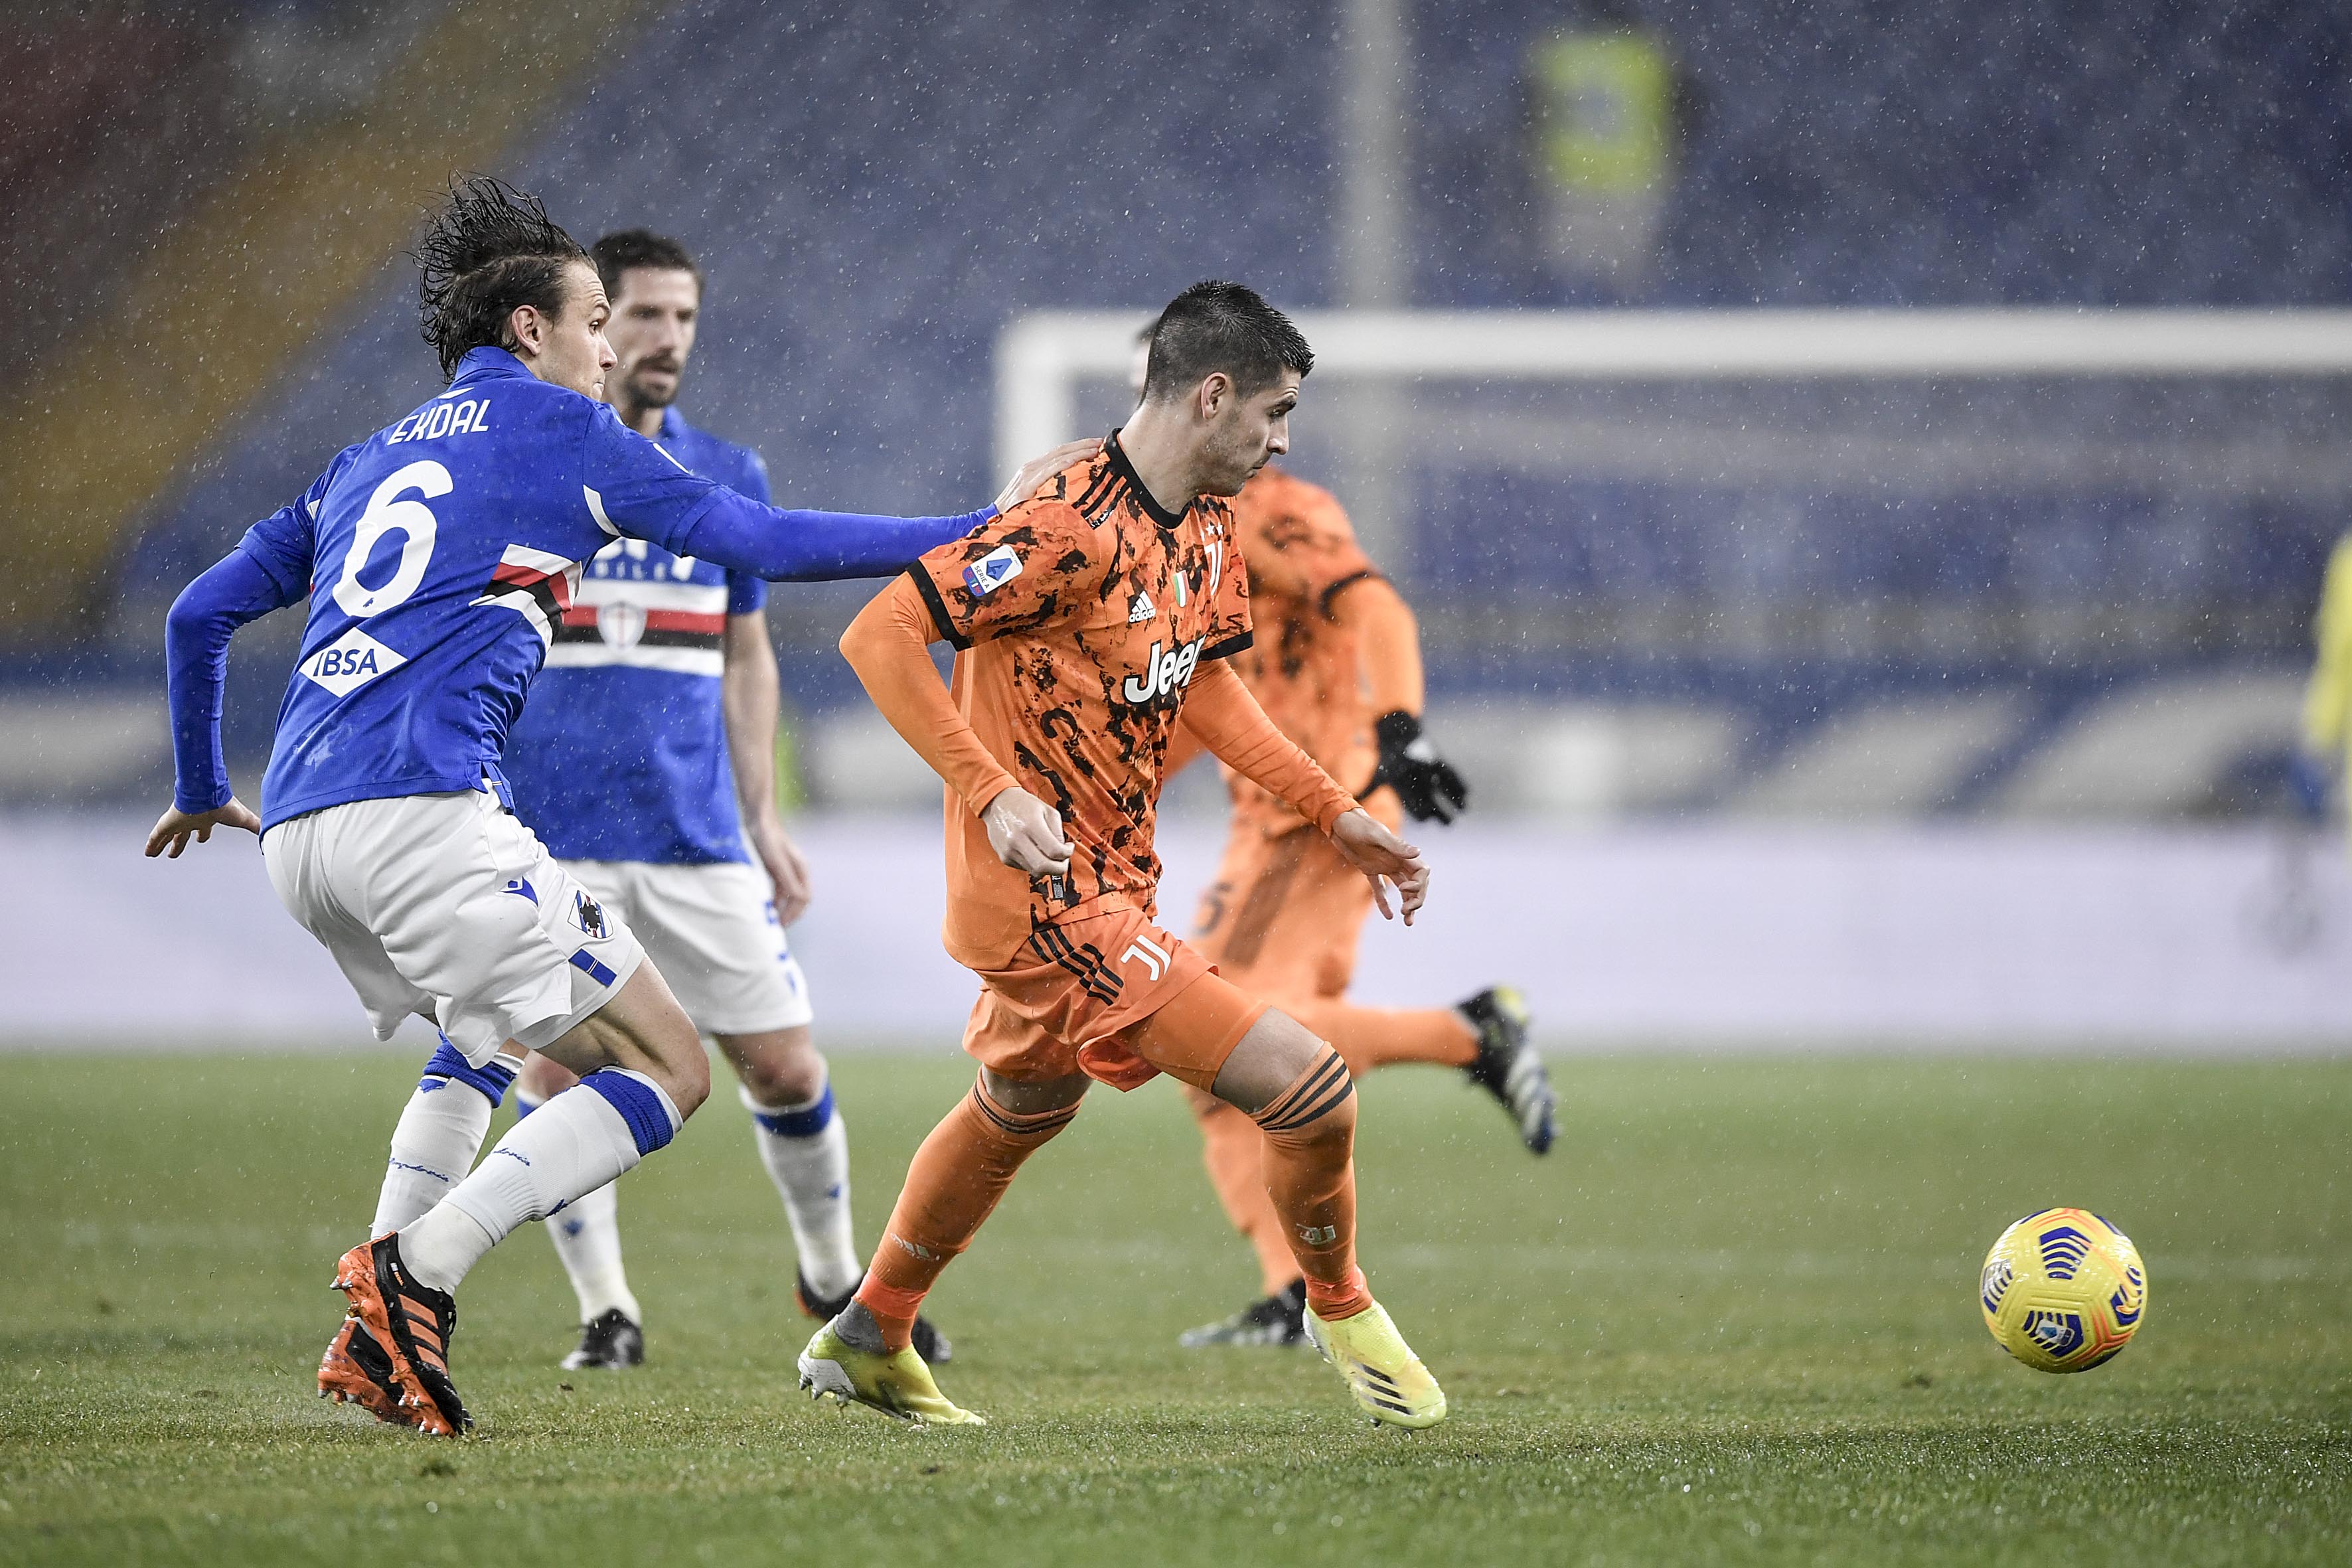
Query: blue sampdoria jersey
439	556
621	752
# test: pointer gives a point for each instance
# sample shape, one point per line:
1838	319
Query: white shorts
447	907
713	933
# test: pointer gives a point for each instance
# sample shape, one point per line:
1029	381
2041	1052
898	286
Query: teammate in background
444	549
1088	623
1338	668
654	723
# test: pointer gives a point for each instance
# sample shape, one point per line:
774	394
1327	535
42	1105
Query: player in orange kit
1336	666
1088	623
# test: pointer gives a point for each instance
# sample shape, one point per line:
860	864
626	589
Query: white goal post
1042	357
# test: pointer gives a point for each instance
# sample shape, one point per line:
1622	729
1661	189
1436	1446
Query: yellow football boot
898	1385
1386	1378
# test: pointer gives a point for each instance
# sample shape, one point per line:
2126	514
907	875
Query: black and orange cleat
930	1343
355	1371
412	1325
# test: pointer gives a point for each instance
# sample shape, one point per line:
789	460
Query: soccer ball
2063	1290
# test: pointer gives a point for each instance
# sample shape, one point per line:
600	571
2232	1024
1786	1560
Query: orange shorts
1066	1005
1283	917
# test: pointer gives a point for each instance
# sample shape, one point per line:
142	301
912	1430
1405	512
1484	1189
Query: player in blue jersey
439	556
670	659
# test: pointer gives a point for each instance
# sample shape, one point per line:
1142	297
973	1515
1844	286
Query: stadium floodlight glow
1041	357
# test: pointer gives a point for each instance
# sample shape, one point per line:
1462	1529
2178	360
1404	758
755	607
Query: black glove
1425	783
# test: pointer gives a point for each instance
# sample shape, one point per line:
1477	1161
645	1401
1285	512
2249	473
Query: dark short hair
616	253
486	252
1218	326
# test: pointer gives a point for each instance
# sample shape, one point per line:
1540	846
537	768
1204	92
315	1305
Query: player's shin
805	1149
587	1237
439	1132
1311	1176
573	1144
952	1187
1235	1152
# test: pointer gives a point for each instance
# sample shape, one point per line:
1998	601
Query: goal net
2032	561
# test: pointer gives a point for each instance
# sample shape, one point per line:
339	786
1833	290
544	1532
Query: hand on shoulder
1033	475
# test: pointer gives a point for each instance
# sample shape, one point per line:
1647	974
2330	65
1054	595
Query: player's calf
403	1285
1310	1142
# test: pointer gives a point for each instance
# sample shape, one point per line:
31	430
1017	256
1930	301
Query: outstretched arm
195	649
1220	710
887	645
633	487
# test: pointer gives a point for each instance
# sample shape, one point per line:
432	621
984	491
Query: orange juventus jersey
1079	618
1302	669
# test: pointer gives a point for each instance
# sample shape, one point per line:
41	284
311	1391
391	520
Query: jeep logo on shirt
1165	673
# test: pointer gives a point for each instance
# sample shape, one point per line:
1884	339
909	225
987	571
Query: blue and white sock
587	1236
439	1132
565	1149
806	1148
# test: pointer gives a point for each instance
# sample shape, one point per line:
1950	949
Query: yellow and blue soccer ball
2063	1290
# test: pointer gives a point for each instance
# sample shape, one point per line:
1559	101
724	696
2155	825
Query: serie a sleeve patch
992	572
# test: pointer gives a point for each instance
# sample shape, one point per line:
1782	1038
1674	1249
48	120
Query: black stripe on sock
1316	1112
1051	1123
1316	1080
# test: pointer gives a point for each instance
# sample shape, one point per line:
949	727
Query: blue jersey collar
487	364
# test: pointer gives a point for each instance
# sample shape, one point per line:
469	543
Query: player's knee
542	1079
689	1080
783	1066
1317	1109
1334	1122
1277	1055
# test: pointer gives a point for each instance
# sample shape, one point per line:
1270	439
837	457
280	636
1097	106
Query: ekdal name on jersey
442	419
1165	673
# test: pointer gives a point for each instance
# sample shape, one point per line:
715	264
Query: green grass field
1730	1319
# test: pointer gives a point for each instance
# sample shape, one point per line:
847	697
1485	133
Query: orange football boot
413	1324
355	1371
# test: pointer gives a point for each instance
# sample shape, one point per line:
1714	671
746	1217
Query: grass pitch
1731	1318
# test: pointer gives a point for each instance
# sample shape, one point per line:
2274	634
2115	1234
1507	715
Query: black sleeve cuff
938	606
1230	647
1332	591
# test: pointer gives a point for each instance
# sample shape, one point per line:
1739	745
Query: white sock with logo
566	1149
439	1132
587	1236
806	1148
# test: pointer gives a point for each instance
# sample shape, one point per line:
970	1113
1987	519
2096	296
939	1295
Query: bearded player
1088	624
644	761
1336	666
438	555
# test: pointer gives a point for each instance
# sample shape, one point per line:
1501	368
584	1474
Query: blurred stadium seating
877	190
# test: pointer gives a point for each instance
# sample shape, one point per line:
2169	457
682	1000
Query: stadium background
1846	757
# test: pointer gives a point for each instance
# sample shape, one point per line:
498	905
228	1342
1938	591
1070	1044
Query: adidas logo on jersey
349	662
1141	610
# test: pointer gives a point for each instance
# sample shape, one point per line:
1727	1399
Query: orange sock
1311	1176
957	1177
1235	1152
1369	1037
